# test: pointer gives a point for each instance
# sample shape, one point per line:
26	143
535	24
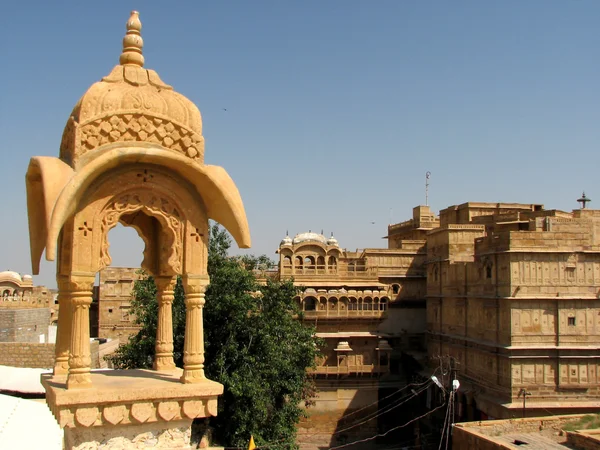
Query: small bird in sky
224	109
372	223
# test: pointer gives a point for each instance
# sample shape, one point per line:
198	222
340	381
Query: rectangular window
571	321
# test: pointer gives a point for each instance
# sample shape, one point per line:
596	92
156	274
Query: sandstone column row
73	338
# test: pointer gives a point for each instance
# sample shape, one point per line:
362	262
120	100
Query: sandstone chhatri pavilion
132	152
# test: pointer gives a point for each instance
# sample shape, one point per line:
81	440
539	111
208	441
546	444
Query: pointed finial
133	42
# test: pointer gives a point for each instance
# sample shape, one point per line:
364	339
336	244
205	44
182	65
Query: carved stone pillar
193	351
63	332
80	361
165	294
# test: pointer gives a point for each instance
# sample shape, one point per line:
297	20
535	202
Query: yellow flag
251	445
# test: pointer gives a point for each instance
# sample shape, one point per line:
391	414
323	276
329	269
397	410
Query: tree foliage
254	346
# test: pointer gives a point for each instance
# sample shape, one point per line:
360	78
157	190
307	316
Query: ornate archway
132	152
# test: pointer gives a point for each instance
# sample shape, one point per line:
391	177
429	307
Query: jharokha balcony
372	369
328	306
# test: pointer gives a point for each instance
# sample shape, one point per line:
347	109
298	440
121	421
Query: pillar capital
165	284
195	284
76	282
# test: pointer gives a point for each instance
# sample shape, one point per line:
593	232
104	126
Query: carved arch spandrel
164	244
163	209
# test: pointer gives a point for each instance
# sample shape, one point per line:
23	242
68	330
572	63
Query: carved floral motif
131	128
157	206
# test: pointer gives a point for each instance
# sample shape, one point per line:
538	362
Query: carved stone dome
132	104
286	240
305	237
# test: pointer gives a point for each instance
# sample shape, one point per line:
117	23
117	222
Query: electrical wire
444	426
385	398
383	412
388	431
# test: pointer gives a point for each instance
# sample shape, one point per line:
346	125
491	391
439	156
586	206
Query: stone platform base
174	435
130	409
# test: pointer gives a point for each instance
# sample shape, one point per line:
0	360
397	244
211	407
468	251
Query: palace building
513	296
367	305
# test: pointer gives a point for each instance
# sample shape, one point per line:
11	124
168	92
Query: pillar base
61	366
164	364
193	376
125	408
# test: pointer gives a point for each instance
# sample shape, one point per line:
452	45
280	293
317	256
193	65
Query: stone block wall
584	439
35	355
18	354
487	435
24	325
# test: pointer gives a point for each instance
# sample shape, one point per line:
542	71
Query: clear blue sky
335	109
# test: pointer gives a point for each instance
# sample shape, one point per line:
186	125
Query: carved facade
365	305
513	294
132	153
18	291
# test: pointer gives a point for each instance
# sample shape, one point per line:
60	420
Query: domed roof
287	240
332	240
9	275
305	237
132	104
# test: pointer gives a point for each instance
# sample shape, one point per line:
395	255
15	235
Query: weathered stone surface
132	153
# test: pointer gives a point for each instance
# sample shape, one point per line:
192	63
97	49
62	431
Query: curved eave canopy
218	191
46	176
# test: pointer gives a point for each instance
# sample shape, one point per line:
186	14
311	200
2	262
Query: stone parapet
124	397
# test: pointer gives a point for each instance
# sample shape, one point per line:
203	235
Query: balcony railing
347	370
334	314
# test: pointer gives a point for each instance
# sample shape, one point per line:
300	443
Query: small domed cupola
287	240
132	104
332	240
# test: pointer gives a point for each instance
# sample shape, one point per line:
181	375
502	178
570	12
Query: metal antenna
427	176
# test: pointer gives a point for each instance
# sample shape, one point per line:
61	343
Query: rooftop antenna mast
427	177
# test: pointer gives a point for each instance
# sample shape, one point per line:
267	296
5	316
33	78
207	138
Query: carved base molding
130	406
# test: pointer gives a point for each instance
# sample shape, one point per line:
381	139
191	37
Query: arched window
353	304
383	304
321	263
310	304
333	304
343	303
287	261
299	265
367	304
396	288
332	264
309	263
322	303
6	293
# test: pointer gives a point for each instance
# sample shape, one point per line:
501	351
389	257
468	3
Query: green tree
254	346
